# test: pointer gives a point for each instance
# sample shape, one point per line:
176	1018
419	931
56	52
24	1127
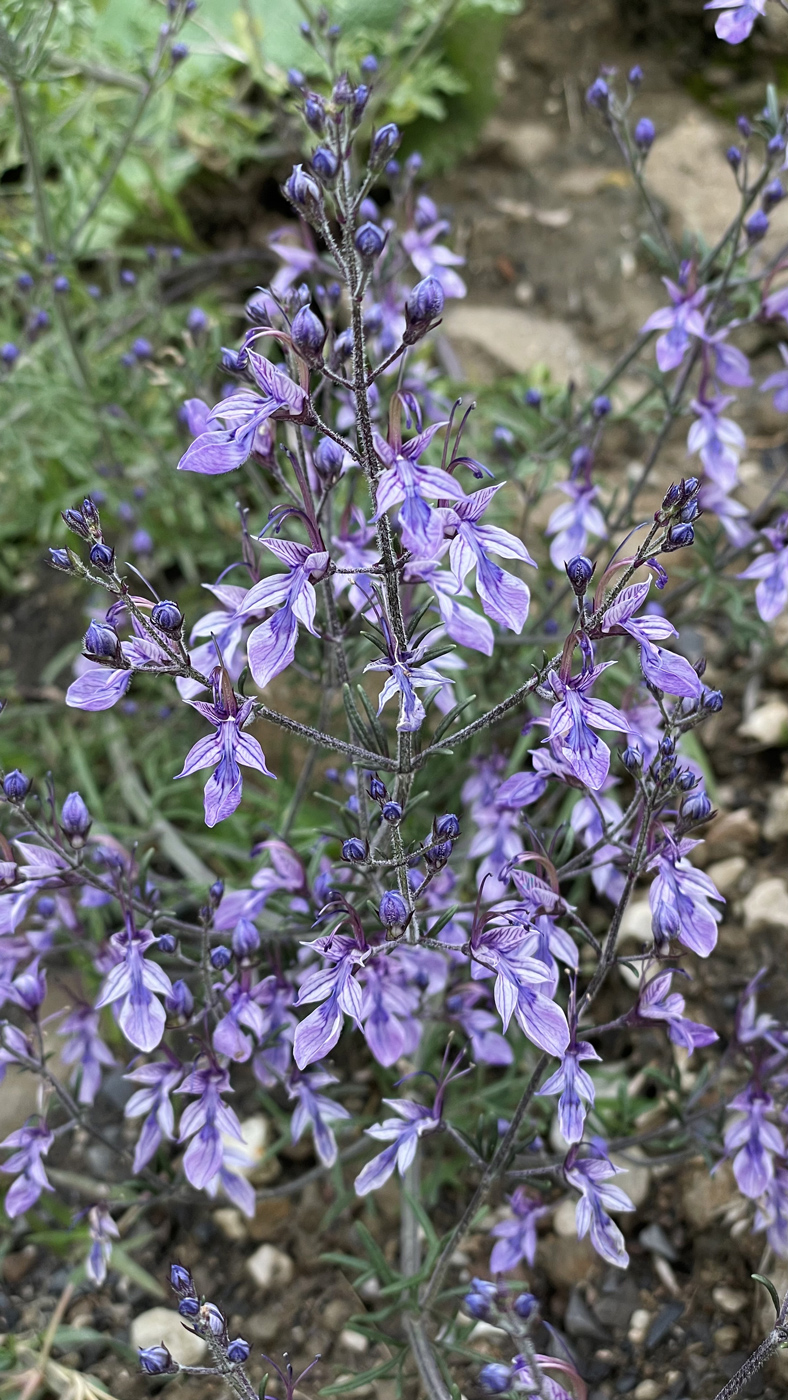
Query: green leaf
449	719
771	1290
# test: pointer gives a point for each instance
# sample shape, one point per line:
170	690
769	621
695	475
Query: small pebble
354	1341
648	1390
726	1338
270	1267
730	1300
639	1324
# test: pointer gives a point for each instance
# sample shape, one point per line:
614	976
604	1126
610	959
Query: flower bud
179	52
167	616
354	849
24	281
690	511
142	348
476	1305
220	958
423	307
447	826
189	1307
679	536
360	100
772	194
436	856
644	134
687	781
167	943
712	700
75	819
533	398
156	1360
370	241
9	353
75	520
635	75
328	457
383	145
776	144
495	1377
343	93
128	278
295	77
61	285
757	226
196	321
181	1280
30	988
325	165
179	1003
309	336
525	1304
598	95
391	812
216	892
213	1319
46	906
303	191
393	910
102	556
238	1351
102	643
315	113
632	758
246	939
59	559
733	157
744	126
695	807
369	65
16	786
601	406
377	789
579	571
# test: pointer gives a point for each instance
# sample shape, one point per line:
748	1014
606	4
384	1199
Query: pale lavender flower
504	597
656	1002
735	25
406	676
32	1142
771	570
103	1231
573	720
718	440
772	1213
99	687
316	1112
681	322
779	383
729	364
488	1046
336	988
159	1078
462	624
271	646
571	524
430	258
219	450
275	997
85	1050
223	751
411	482
757	1140
403	1133
732	515
228	1038
216	1136
284	873
679	899
589	1176
663	669
589	820
133	981
298	259
507	951
574	1085
516	1238
225	628
352	541
387	1010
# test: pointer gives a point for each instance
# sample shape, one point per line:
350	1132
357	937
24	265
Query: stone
231	1223
635	1179
655	1239
354	1341
336	1313
726	874
584	181
775	827
663	1324
16	1265
521	143
564	1220
268	1217
767	725
270	1267
688	172
636	923
518	339
264	1326
639	1324
485	1330
726	1338
258	1134
766	906
648	1390
705	1198
566	1262
730	834
617	1300
579	1321
730	1300
158	1325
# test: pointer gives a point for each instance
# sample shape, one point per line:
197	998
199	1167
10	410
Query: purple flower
771	569
590	820
218	450
159	1079
33	1142
351	541
85	1050
271	646
663	669
28	989
213	1129
680	322
779	382
406	480
224	751
757	1139
679	899
735	25
588	1175
504	597
573	720
488	1047
574	1085
732	515
336	988
656	1002
516	1238
573	523
228	1038
133	982
507	949
316	1112
432	259
404	1137
100	687
387	1008
275	996
772	1213
406	676
719	441
463	625
103	1231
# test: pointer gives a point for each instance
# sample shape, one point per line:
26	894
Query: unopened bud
303	191
328	457
644	134
309	336
167	616
423	307
325	165
16	786
579	571
102	643
383	145
354	849
370	242
393	910
75	819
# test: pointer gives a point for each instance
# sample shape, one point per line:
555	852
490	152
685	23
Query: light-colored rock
639	1324
730	1300
726	1338
705	1198
767	724
159	1325
258	1134
566	1262
730	834
484	1329
766	906
776	823
688	171
726	874
636	923
635	1180
564	1220
270	1267
518	339
231	1223
523	143
584	181
648	1390
354	1341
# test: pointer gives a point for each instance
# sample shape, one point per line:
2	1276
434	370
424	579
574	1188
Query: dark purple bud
167	616
189	1307
128	278
295	78
598	95
238	1351
772	194
75	819
447	826
142	348
370	241
182	1281
581	460
179	52
695	807
325	165
635	75
377	789
414	163
179	1003
168	943
644	134
393	910
216	892
102	643
61	284
369	65
393	168
733	157
712	700
383	145
436	856
102	556
91	516
391	812
304	193
233	360
632	758
423	307
667	747
579	571
525	1304
743	123
601	406
309	336
46	907
679	536
39	320
328	457
315	113
343	92
196	321
757	226
221	958
495	1377
16	786
333	32
156	1360
30	988
246	939
9	353
76	521
354	849
533	398
59	559
690	486
128	361
688	781
776	145
690	511
24	282
360	100
214	1319
476	1305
